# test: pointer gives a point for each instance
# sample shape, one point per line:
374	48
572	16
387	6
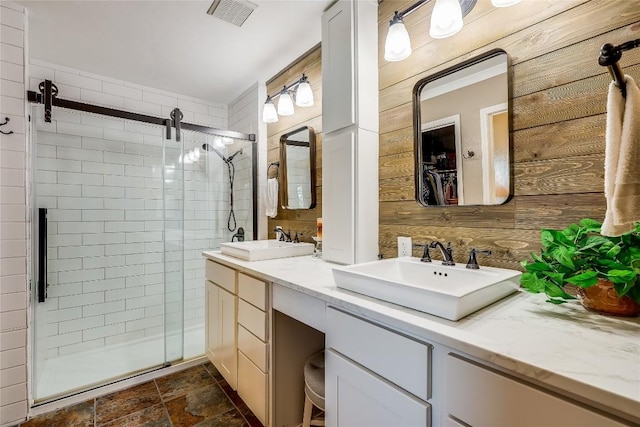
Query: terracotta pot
603	298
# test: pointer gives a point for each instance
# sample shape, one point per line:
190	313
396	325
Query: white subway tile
13	266
80	227
16	301
103	145
11	53
102	191
66	289
100	98
103	261
147	236
147	279
61	340
123	249
123	91
143	193
102	168
124	204
124	316
12	178
65	190
156	289
142	107
81	347
155	140
156	98
80	251
81	276
118	135
17	213
154	268
64	239
80	203
125	159
79	129
15	375
103	285
130	270
12	72
13	394
78	81
9	105
13	248
157	225
123	294
144	301
124	226
11	340
80	324
123	181
79	154
104	308
14	357
80	178
104	331
12	89
49	202
81	300
40	72
56	265
145	150
134	259
13	36
193	106
13	230
142	215
61	140
58	165
103	238
144	128
102	214
17	319
124	338
43	150
144	323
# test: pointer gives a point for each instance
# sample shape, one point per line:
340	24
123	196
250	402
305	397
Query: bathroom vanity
520	361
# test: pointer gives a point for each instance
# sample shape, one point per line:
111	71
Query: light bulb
304	94
227	141
196	153
446	19
269	113
218	141
285	104
191	156
504	3
397	45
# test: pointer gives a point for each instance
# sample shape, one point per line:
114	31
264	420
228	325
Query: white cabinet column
350	132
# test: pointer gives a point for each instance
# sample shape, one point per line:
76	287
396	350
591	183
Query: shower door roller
42	255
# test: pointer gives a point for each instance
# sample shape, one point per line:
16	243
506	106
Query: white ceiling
174	45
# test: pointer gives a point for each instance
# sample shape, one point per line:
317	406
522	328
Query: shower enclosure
122	210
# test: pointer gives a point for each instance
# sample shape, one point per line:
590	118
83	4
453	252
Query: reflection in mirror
461	134
298	169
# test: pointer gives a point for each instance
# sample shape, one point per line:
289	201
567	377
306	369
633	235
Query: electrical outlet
404	246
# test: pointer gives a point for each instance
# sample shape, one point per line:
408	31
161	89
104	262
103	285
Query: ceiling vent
235	12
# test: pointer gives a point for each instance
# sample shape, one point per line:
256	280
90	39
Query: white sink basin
258	250
451	292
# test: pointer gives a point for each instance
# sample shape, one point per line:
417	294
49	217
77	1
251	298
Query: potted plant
605	269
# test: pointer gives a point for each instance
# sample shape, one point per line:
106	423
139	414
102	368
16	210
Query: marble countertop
587	356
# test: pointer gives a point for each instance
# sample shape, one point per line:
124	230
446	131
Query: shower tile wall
13	226
103	185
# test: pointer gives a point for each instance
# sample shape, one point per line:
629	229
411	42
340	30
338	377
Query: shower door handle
42	255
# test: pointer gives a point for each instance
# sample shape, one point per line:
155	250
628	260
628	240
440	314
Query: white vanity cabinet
480	396
221	318
374	376
253	344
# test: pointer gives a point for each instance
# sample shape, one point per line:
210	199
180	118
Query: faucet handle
296	239
473	262
426	257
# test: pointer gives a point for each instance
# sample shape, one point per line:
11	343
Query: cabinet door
356	397
227	316
213	340
338	106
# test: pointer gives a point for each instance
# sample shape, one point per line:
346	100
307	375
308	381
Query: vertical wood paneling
559	106
298	220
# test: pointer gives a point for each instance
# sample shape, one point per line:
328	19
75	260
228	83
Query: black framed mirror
298	169
462	141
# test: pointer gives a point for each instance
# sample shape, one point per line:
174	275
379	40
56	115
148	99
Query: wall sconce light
446	20
303	97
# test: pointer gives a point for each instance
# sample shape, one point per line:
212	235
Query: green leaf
621	276
537	266
613	252
592	241
557	278
532	283
623	288
611	264
591	225
564	256
556	301
584	280
554	291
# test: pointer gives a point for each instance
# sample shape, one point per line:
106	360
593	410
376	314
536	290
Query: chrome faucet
473	262
447	253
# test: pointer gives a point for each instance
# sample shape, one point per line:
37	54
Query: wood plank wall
299	220
558	98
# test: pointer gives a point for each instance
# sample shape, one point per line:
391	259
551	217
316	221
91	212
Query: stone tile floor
197	396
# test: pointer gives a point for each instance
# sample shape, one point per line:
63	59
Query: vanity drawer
252	387
254	320
395	357
252	290
222	276
253	348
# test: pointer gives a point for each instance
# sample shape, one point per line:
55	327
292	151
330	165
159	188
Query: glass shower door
113	191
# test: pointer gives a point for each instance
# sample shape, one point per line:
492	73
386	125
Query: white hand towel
621	173
271	209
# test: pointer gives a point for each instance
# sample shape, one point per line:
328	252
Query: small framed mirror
461	134
298	169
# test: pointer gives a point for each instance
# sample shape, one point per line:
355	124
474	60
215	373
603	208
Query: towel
622	152
271	200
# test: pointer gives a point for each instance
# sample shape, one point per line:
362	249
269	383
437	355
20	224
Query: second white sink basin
451	292
257	250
